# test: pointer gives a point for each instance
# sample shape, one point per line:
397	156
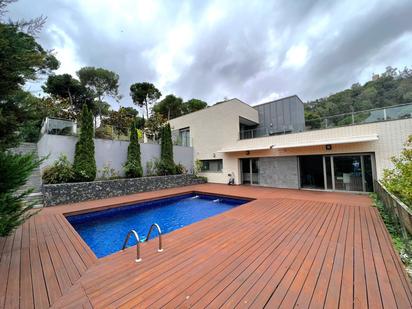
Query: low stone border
82	191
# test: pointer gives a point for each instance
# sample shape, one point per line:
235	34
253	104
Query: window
212	165
184	137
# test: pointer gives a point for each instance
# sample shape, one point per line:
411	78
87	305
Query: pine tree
15	169
133	166
84	165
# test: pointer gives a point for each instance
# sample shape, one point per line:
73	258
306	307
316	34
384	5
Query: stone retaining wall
82	191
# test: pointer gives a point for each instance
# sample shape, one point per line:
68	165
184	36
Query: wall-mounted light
247	152
328	147
214	155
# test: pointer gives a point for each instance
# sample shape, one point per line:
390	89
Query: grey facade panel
282	115
280	172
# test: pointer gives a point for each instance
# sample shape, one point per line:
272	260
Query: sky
256	51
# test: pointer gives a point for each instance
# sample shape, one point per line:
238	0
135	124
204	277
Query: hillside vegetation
393	87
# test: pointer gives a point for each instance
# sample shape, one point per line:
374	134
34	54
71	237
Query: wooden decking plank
13	284
305	294
360	297
346	293
335	281
87	255
40	296
317	253
205	296
372	285
235	254
283	223
70	268
74	255
303	260
52	285
320	290
276	277
61	274
5	267
402	286
176	263
26	287
385	287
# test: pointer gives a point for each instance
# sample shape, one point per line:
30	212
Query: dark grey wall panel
280	172
286	114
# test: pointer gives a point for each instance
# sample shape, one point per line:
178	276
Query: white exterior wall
217	127
214	128
107	152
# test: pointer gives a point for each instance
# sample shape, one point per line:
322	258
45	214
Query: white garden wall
107	152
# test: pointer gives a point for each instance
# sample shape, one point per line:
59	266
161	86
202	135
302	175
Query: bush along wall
84	164
133	166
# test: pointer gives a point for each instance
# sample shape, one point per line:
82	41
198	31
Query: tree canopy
193	105
144	94
170	107
21	59
393	87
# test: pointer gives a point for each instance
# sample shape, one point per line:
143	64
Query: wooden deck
287	248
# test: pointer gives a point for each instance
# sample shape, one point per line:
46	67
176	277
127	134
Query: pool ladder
133	232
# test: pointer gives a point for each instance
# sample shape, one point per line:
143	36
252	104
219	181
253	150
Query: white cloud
296	56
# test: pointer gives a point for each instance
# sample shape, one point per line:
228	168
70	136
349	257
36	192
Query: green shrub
15	169
84	165
151	168
399	179
198	167
60	172
180	169
133	166
108	173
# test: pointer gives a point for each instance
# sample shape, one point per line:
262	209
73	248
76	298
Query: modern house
271	145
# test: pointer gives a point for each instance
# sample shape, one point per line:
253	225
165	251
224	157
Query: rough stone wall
281	172
83	191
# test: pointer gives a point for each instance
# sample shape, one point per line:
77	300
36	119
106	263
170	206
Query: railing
400	214
133	232
58	126
396	112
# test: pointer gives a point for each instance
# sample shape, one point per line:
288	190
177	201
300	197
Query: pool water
104	231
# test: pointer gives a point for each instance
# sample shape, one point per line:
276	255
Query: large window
184	137
212	165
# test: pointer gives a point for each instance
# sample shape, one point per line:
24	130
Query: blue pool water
104	231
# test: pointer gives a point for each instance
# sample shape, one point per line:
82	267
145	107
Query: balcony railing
396	112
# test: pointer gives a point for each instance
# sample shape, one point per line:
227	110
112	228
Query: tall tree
64	86
84	164
122	119
170	107
102	83
193	105
144	94
133	166
21	59
154	125
166	164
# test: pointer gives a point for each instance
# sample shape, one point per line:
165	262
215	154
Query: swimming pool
104	231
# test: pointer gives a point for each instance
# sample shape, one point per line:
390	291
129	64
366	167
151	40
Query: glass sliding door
348	173
353	172
250	171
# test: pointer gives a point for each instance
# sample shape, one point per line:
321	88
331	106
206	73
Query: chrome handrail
138	258
155	225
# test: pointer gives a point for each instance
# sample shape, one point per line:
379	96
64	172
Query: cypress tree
167	165
84	164
133	166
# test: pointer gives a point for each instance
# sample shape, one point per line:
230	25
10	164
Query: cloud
253	50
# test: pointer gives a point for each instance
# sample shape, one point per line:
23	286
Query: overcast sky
252	50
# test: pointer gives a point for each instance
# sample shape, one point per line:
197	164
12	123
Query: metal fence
396	112
400	214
